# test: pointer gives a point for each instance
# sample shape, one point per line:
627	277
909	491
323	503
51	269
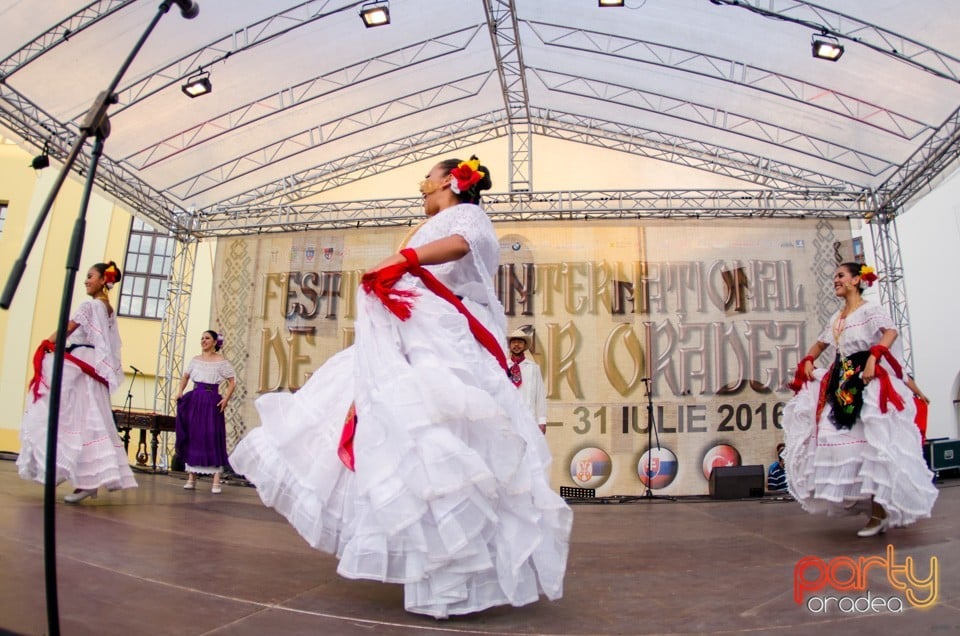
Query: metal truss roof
540	206
306	100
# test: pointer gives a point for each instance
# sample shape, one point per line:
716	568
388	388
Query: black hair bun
485	183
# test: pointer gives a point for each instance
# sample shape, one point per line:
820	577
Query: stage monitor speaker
570	492
736	482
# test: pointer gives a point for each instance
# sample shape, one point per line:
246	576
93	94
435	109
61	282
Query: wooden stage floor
161	560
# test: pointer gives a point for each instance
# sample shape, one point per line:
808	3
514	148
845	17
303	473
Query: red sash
47	347
400	303
887	393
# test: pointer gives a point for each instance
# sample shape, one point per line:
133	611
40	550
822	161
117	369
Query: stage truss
782	189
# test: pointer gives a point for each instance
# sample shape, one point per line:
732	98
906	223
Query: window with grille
143	292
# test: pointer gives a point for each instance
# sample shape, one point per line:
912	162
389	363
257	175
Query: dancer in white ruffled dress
449	495
90	453
849	431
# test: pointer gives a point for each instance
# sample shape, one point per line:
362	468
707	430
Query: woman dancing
849	431
448	491
201	429
89	451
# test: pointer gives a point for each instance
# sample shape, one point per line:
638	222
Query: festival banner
707	316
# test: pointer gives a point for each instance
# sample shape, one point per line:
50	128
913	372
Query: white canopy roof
305	97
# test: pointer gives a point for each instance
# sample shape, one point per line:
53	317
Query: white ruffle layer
828	471
89	450
450	496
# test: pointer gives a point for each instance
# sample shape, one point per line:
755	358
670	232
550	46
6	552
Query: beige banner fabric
715	313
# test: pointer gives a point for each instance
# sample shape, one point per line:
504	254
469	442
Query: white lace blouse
470	277
210	371
861	330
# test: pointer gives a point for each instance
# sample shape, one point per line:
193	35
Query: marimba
145	421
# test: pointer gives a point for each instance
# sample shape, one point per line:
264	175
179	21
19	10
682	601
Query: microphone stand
127	409
95	124
651	431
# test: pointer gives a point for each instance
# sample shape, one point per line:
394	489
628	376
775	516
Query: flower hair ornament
219	341
867	275
110	276
466	175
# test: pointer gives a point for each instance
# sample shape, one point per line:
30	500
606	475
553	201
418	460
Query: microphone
188	8
135	369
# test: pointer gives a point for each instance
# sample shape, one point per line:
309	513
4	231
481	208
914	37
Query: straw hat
520	334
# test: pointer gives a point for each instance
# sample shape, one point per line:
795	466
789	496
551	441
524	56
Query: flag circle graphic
662	465
590	467
720	455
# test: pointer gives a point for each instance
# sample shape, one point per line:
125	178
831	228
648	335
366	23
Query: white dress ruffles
90	453
450	496
830	470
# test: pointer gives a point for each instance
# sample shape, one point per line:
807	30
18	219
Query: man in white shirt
526	376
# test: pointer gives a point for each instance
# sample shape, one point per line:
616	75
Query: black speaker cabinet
736	482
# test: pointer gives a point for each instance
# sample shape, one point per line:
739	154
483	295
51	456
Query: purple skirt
201	429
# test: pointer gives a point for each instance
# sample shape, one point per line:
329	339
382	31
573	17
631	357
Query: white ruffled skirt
450	496
829	471
90	453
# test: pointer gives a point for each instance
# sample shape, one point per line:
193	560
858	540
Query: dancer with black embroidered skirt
410	455
201	428
851	444
90	453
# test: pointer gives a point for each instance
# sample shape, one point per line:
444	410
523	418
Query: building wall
33	313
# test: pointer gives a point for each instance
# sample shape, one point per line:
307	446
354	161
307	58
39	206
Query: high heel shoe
79	495
216	489
190	485
876	525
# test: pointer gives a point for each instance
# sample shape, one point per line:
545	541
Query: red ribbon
888	394
483	336
882	353
380	283
345	449
47	347
921	418
399	302
799	377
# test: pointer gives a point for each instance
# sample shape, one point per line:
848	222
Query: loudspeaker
736	482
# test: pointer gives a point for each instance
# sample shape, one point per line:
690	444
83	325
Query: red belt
46	347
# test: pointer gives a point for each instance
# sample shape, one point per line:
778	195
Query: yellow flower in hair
474	164
110	275
868	275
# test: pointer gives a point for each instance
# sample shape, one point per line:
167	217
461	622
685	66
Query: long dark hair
473	194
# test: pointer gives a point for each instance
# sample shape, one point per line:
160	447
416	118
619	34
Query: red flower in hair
466	175
867	275
110	275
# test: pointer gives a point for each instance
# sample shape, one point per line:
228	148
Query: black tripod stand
128	407
651	431
95	125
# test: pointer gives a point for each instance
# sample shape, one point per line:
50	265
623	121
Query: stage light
197	85
826	47
375	14
42	160
610	3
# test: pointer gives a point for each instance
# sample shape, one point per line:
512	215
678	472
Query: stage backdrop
715	312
